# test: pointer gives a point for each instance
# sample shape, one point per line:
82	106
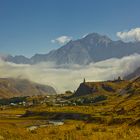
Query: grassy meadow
117	118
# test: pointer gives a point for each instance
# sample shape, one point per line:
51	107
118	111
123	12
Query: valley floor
118	118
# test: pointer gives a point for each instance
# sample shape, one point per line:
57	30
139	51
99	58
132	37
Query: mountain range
92	48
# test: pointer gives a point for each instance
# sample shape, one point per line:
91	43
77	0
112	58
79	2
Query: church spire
84	80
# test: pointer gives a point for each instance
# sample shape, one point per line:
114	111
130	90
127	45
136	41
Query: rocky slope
133	87
16	87
134	74
119	86
106	87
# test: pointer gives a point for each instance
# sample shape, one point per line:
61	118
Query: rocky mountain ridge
92	48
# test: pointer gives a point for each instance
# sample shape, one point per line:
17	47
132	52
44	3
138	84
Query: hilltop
103	87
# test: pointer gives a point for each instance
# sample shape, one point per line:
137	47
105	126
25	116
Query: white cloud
62	40
131	35
68	77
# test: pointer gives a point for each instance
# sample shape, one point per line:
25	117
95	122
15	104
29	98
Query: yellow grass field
115	119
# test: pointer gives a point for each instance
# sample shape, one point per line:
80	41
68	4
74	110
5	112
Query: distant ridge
92	48
10	87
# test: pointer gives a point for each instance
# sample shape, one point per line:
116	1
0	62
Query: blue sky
28	26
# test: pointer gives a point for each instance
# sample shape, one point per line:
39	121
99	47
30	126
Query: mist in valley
68	77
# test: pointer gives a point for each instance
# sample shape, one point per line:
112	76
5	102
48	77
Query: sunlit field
112	119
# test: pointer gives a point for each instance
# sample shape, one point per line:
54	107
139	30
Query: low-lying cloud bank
68	77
